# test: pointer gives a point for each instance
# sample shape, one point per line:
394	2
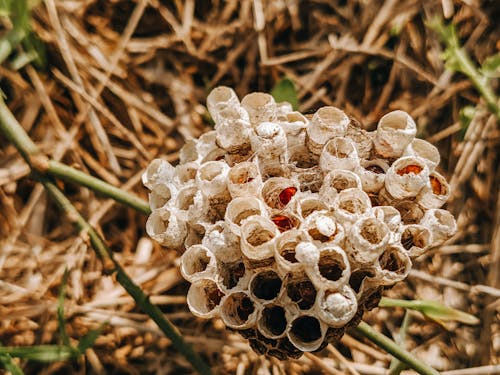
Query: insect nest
290	227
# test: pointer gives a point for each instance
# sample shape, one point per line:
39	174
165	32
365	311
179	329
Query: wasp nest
292	226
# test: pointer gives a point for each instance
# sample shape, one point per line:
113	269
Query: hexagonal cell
238	310
257	238
203	298
337	307
197	261
333	264
306	333
277	192
416	239
393	265
272	322
231	273
265	285
301	290
285	221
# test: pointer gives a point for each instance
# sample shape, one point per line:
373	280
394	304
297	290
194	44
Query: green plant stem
70	174
16	134
463	63
396	365
394	349
30	151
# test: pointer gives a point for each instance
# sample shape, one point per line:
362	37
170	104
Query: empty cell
265	285
394	132
196	262
185	199
273	321
160	195
238	310
231	273
331	265
306	333
308	204
244	180
203	298
240	209
257	238
416	239
301	290
393	265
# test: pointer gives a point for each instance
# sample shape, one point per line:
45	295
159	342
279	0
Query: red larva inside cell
415	169
437	188
283	222
286	195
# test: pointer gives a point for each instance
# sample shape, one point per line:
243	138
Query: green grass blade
9	365
432	310
41	353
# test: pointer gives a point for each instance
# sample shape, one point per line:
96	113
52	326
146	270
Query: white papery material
372	174
350	205
233	136
441	223
221	98
416	239
339	153
235	310
158	171
258	236
197	263
240	209
211	178
336	307
315	328
203	298
244	179
406	177
366	240
436	193
395	131
327	122
166	228
285	251
393	265
332	270
261	107
425	150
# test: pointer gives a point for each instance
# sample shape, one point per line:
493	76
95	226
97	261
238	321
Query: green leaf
89	339
491	66
8	364
41	353
284	91
60	309
432	310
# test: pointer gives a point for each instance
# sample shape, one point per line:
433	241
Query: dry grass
127	81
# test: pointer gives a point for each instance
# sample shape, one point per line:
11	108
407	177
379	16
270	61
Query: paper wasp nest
291	227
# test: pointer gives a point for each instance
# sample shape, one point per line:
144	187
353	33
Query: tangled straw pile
293	226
